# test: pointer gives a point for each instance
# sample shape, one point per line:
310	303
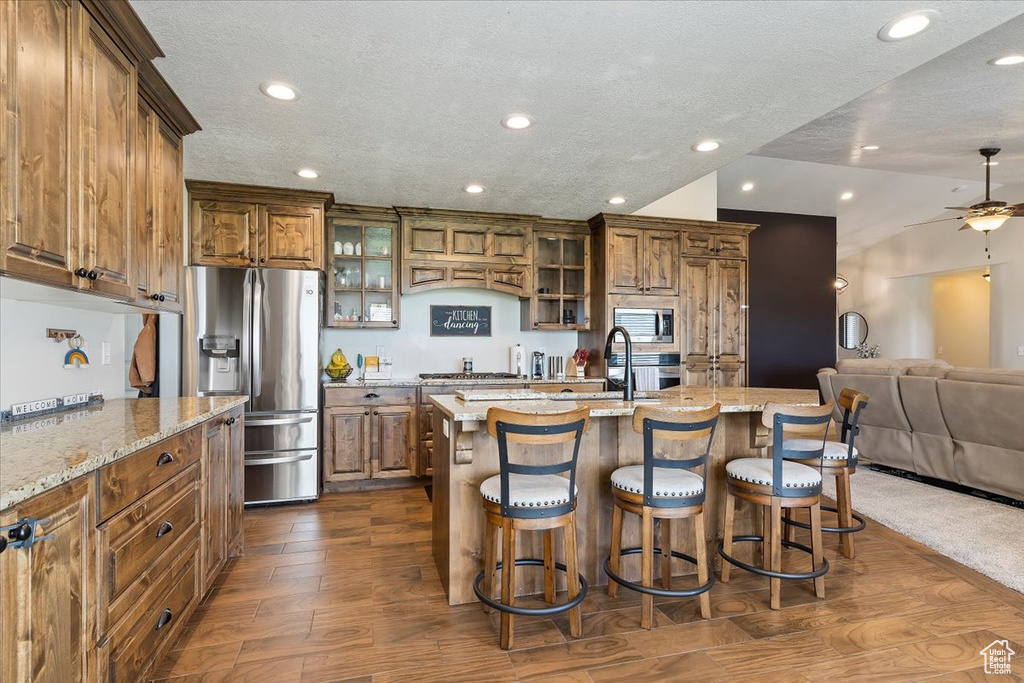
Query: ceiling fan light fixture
986	222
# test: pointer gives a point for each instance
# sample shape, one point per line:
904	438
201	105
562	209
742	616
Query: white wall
32	366
886	287
415	351
960	312
698	200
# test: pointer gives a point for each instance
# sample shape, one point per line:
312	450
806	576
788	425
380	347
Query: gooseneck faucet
627	392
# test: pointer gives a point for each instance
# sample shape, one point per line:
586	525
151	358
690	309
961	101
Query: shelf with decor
560	299
362	268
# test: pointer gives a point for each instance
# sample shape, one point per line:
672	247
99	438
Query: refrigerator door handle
280	460
257	334
245	366
271	422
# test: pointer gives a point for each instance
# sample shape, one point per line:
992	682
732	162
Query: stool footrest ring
831	529
651	590
530	611
821	571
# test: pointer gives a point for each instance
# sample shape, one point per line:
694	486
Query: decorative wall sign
460	321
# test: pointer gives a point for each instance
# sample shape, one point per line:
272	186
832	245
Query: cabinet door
697	315
346	443
290	236
661	263
35	130
48	590
730	375
107	116
625	261
730	297
698	244
236	483
144	204
698	375
731	246
168	262
223	233
215	499
394	441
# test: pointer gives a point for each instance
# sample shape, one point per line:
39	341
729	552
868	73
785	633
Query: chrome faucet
627	391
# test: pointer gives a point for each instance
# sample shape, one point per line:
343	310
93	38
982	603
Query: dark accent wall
791	274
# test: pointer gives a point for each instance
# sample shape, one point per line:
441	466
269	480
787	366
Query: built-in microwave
647	325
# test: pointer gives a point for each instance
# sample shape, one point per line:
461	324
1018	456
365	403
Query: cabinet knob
21	532
648	289
395	323
92	274
162	297
536	324
155	297
252	259
376	413
165	528
367	412
165	618
263	259
164	458
230	421
81	272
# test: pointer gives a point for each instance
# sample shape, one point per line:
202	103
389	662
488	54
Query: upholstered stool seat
834	450
668	483
533	491
759	471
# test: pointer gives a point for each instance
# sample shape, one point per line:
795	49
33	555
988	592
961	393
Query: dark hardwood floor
346	590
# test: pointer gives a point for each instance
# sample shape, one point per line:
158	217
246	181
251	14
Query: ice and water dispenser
220	368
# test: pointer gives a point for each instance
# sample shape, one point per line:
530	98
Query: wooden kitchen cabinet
223	492
236	483
714	313
370	433
362	268
642	261
47	624
244	226
560	298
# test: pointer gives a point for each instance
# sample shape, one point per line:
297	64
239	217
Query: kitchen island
465	455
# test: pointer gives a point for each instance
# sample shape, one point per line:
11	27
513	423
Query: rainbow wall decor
75	358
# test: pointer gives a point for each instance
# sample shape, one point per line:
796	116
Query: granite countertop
417	381
38	455
733	400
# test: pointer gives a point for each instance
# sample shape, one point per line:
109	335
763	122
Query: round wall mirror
853	329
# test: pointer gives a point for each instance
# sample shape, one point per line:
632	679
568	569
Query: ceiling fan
988	215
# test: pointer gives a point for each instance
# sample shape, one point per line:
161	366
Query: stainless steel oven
667	364
647	325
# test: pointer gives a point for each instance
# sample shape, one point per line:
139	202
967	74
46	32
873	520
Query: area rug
981	534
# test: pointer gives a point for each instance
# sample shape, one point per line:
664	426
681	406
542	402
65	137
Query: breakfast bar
465	455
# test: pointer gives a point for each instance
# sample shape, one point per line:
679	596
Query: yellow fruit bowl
339	372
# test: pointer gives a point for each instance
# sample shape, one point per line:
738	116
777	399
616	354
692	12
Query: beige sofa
964	425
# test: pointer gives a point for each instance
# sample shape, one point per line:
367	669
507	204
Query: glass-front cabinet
362	272
561	280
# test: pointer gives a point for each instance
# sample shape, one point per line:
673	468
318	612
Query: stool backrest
532	429
799	418
852	402
675	425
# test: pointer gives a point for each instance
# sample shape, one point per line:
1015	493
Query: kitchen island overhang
465	455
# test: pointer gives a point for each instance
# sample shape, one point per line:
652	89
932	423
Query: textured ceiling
931	120
401	101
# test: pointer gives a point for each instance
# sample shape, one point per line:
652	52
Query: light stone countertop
417	381
38	455
733	400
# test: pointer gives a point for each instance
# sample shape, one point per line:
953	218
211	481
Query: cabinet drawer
136	541
370	396
125	481
731	246
154	622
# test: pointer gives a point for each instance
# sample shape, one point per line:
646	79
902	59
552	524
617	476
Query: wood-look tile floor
346	590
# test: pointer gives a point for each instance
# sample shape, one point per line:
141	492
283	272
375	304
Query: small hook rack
59	335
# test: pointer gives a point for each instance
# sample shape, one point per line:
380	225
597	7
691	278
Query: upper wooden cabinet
362	271
560	297
642	261
443	249
714	314
246	225
78	150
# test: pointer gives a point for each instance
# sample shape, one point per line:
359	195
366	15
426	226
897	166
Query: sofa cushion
987	375
869	366
989	414
921	404
885	408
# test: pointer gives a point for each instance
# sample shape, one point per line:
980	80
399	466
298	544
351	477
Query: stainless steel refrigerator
256	331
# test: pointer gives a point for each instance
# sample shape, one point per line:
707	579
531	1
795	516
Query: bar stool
531	498
663	489
838	459
778	483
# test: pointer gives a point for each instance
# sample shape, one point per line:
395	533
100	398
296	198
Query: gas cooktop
468	375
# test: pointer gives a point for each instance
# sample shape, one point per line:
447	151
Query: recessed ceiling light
307	173
747	187
870	148
474	189
1008	60
706	146
908	25
846	196
517	121
279	91
617	200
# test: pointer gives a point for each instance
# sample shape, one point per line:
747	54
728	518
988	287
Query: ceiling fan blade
1018	209
957	208
965	227
937	220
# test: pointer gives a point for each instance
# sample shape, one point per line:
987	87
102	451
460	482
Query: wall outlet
939	351
105	353
1020	350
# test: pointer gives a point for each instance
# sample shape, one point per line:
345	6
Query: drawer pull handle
165	458
165	528
567	391
371	395
165	618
